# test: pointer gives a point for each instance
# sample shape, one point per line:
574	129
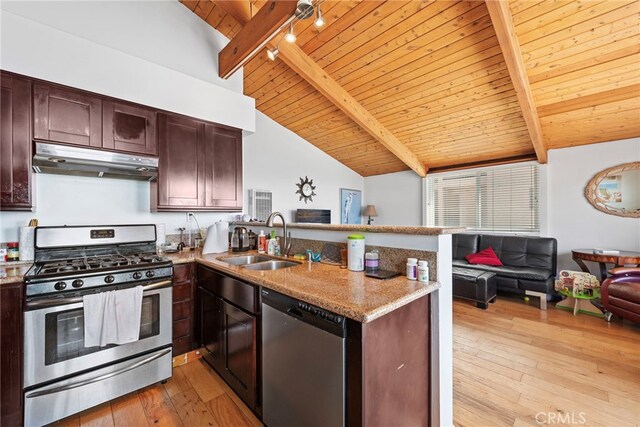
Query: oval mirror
616	190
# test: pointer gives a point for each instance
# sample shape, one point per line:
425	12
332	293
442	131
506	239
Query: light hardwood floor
512	362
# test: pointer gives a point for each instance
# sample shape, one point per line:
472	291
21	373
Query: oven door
54	336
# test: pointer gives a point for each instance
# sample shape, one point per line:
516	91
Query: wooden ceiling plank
254	35
556	13
491	162
551	57
506	33
585	20
308	69
203	8
190	4
392	47
586	63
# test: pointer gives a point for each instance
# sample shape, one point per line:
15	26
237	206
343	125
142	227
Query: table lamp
370	211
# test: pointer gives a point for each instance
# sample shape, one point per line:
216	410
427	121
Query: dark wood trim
493	162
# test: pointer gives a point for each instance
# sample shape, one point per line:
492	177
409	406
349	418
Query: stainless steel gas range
61	375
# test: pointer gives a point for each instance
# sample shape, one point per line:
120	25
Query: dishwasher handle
295	312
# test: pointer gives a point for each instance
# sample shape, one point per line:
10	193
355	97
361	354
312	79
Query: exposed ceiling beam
505	31
309	70
254	35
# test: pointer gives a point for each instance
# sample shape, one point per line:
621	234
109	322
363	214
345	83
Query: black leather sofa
529	262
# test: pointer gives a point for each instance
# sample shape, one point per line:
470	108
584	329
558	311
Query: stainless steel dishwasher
303	363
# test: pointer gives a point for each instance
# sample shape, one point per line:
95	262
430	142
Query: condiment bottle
412	268
13	251
423	271
262	242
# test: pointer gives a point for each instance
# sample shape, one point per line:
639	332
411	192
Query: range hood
66	160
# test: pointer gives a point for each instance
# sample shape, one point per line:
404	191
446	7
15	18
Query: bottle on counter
423	271
262	242
412	268
355	249
13	251
271	246
371	261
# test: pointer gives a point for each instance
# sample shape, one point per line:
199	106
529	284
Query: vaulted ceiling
439	77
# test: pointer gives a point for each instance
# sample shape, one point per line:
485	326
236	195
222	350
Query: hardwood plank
100	416
158	407
203	382
506	33
192	410
178	383
128	411
226	413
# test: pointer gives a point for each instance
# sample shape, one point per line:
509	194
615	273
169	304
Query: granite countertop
13	272
395	229
342	291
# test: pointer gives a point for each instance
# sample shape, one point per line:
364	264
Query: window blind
500	199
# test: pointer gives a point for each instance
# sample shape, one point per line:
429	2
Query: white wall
397	197
276	159
155	53
570	218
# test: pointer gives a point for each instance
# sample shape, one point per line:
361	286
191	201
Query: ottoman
475	285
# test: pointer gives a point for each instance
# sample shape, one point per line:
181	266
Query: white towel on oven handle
112	317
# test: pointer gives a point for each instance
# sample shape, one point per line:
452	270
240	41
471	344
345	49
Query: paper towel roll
161	234
26	243
217	238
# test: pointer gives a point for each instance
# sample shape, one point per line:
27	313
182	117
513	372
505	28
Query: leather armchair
621	293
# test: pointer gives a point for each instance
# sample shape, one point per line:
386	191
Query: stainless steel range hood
62	159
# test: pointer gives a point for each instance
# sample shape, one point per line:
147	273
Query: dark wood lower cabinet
229	324
11	354
388	368
184	339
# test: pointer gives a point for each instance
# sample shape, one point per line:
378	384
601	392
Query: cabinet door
211	331
128	128
180	181
223	168
67	116
15	143
240	357
11	354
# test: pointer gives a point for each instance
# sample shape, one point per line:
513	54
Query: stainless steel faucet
287	237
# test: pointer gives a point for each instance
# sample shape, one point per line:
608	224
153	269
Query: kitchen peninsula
397	312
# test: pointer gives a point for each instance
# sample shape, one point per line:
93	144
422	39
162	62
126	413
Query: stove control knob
60	286
137	275
77	283
151	273
109	279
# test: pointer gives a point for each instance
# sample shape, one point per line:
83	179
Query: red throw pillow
485	256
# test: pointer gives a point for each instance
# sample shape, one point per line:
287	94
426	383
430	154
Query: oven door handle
56	301
98	378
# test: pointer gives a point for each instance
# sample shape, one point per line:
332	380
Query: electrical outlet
189	216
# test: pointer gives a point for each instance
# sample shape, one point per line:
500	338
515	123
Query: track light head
290	36
272	54
319	22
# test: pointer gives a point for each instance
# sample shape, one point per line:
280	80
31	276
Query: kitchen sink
245	259
271	265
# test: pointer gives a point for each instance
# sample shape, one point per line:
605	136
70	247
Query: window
500	199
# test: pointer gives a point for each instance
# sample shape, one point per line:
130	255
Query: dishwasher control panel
316	311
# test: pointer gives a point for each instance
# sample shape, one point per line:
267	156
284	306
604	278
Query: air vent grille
260	204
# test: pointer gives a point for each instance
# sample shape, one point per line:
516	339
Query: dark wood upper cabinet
200	166
15	144
223	168
67	116
129	128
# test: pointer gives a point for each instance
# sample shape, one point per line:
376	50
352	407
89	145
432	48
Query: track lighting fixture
319	22
273	54
304	9
290	36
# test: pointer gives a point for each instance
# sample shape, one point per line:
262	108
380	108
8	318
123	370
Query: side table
620	259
